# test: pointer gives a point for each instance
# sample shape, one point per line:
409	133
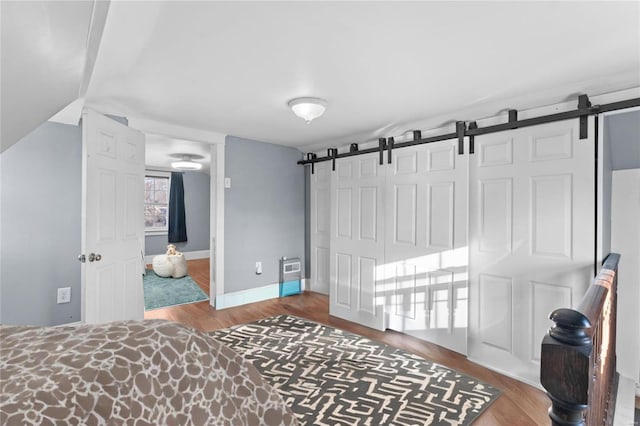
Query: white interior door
426	243
113	220
320	227
531	242
357	241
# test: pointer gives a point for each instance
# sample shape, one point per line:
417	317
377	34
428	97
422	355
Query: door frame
216	191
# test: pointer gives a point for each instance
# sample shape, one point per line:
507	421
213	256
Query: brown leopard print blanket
130	372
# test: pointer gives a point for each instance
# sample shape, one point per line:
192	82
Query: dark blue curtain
177	222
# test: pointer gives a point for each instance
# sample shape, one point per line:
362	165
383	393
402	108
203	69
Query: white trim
259	294
217	222
157	173
196	254
69	324
152	232
189	255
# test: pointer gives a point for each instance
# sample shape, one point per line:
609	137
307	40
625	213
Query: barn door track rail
584	110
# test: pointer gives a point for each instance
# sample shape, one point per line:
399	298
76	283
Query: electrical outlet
258	268
64	295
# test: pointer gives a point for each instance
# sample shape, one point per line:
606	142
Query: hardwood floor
520	404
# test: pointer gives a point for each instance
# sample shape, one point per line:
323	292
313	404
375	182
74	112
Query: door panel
440	216
531	239
113	223
426	243
320	227
551	215
366	285
496	315
545	298
357	241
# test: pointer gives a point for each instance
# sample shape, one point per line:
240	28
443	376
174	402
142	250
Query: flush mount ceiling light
308	108
186	162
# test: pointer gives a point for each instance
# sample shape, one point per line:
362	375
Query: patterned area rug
160	292
331	377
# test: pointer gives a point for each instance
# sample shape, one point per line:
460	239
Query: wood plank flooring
520	404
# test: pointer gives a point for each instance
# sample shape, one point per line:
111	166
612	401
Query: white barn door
426	243
113	220
531	244
357	241
320	227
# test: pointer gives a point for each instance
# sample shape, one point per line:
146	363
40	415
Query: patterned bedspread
132	372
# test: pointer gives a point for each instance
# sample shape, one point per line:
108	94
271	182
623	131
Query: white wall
625	239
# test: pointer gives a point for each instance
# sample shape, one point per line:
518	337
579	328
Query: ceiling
231	67
384	67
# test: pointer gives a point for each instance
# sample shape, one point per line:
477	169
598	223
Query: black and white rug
331	377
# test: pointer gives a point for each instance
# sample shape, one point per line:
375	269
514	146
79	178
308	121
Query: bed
130	372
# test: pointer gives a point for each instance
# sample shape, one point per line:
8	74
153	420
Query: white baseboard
189	255
69	324
229	300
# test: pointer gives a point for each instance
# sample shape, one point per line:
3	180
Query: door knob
98	257
92	257
82	258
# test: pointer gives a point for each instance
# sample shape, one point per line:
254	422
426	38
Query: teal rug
161	292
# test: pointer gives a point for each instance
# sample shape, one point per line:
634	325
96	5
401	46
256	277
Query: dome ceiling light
186	162
308	108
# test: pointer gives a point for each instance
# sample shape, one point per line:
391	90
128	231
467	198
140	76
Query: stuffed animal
171	250
173	264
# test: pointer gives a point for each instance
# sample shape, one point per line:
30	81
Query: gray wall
196	205
623	132
264	211
40	221
606	162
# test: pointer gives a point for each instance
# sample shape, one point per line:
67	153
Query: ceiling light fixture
308	108
186	163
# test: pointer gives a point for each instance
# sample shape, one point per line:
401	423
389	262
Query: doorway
193	249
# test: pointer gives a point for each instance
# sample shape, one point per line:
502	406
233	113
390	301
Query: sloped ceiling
44	51
383	67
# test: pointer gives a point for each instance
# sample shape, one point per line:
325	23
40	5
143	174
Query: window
156	203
